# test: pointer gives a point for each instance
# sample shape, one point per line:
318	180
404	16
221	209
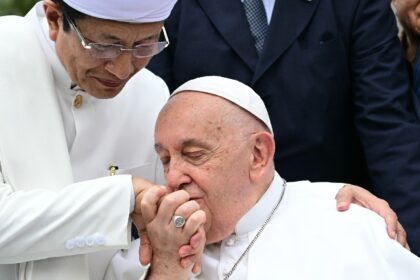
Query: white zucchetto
135	11
232	90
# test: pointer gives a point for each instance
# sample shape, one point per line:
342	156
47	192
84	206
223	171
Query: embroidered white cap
232	90
135	11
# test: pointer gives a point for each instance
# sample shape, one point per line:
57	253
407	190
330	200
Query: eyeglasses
109	51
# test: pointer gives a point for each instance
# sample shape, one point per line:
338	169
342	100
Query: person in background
334	81
407	12
214	138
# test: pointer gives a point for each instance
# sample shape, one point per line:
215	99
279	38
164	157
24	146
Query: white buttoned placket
230	251
78	110
222	256
70	102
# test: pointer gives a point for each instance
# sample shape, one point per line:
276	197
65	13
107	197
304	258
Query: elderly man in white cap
76	105
215	141
77	115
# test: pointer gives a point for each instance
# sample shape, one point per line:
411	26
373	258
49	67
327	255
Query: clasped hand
171	250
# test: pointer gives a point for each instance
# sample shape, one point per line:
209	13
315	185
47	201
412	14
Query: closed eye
196	157
165	160
148	40
105	47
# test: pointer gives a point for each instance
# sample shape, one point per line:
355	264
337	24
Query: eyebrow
185	143
158	147
108	36
195	142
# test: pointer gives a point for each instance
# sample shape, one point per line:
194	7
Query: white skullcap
232	90
135	11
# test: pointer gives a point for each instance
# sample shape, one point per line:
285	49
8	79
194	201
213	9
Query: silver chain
258	233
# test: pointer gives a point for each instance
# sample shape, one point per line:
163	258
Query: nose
176	176
122	66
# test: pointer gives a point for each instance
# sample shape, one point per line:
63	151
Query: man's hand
191	253
155	194
170	243
140	186
354	194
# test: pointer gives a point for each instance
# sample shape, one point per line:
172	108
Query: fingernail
196	269
394	235
341	205
187	263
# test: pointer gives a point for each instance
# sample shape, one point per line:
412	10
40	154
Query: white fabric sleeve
81	218
125	264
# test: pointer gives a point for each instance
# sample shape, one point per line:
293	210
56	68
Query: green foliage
16	7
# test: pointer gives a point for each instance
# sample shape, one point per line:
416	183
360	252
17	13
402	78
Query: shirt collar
257	215
61	77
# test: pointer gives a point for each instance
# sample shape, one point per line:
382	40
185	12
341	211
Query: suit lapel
233	26
289	19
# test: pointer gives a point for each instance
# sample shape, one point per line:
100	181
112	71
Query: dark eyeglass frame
98	50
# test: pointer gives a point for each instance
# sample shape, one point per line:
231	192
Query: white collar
37	16
257	215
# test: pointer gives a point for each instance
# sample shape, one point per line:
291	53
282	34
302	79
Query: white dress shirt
268	6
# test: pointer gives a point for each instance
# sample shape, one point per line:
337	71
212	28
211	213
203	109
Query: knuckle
402	232
391	216
394	215
194	204
143	202
182	194
350	188
195	219
169	200
202	215
344	190
384	203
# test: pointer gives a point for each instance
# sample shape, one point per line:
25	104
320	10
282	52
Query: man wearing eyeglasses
77	115
76	105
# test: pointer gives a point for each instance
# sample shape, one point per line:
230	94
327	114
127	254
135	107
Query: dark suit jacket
334	82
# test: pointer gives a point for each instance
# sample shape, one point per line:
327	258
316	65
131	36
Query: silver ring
179	221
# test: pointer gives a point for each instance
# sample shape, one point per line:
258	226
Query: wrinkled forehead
100	29
195	106
135	11
208	109
191	118
233	91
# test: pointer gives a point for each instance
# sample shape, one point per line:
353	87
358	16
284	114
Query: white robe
308	239
50	227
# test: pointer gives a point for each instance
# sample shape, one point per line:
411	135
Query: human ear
261	159
53	15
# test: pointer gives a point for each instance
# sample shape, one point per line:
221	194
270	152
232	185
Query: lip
111	83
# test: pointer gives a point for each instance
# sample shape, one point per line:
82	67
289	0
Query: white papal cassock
52	136
308	239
